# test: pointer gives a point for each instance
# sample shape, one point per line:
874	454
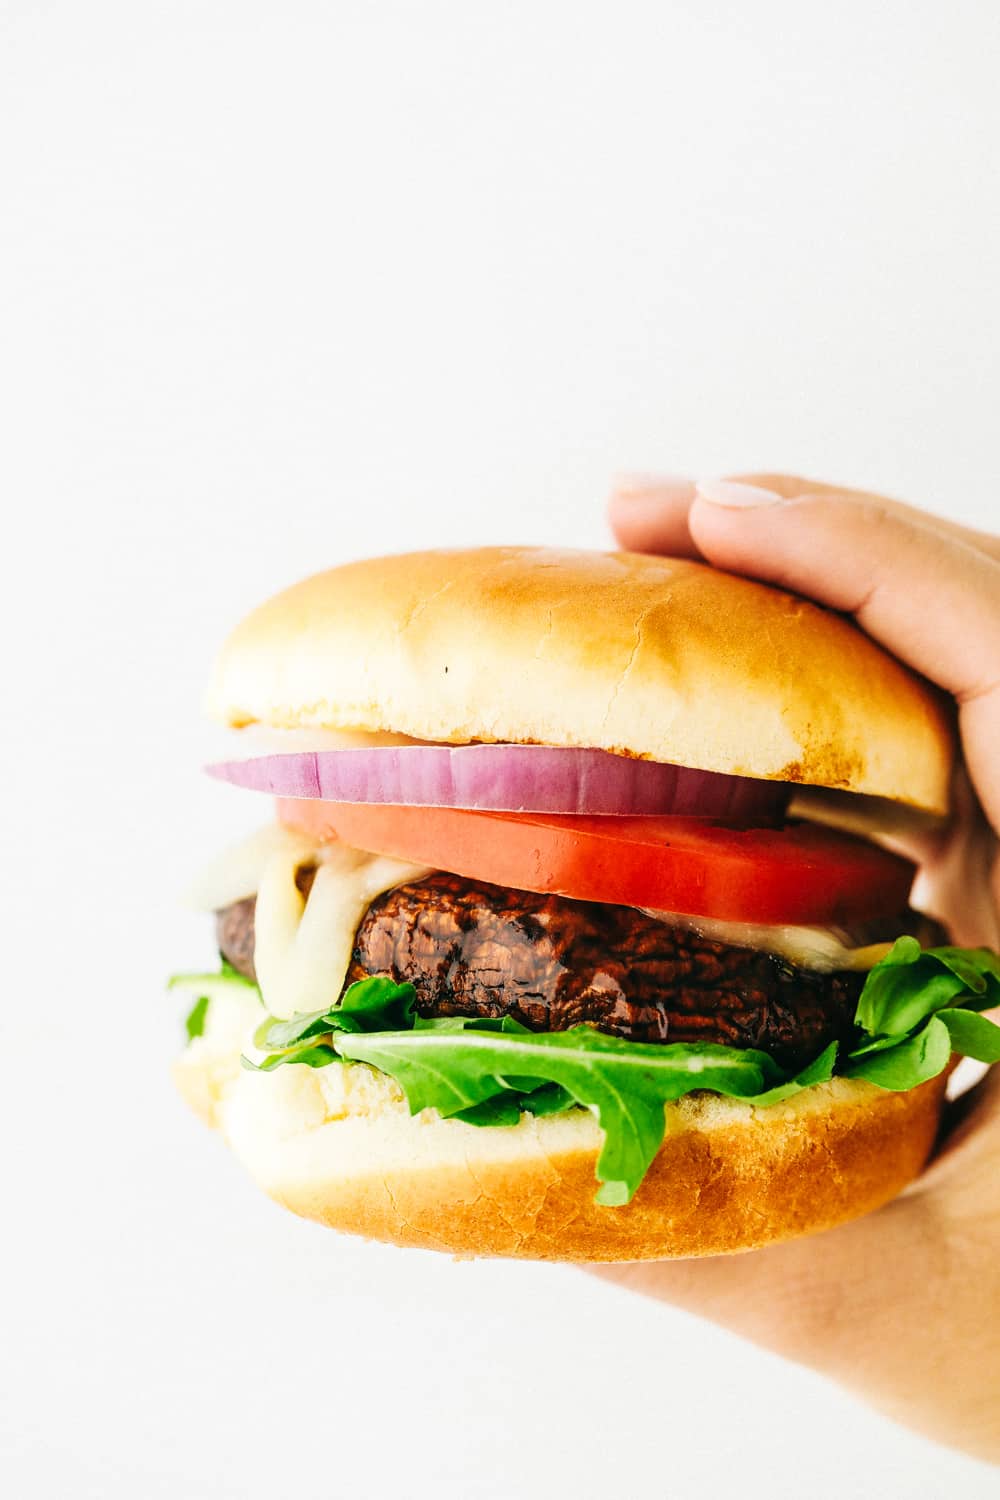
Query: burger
550	948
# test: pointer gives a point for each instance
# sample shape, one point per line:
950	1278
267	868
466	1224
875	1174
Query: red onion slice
508	778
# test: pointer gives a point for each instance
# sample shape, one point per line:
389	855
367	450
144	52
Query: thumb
930	599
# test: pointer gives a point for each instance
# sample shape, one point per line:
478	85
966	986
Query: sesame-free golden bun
660	658
338	1145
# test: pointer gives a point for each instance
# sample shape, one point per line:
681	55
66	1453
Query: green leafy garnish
972	1035
502	1109
374	1004
910	984
917	1007
913	1060
626	1084
370	1005
194	1023
206	987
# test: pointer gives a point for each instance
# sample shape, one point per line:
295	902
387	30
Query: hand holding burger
899	1306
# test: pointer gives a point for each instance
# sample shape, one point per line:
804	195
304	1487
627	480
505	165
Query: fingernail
735	496
652	486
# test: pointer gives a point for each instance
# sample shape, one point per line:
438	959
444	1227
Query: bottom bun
338	1145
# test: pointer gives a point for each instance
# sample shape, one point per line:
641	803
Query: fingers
794	487
650	515
929	597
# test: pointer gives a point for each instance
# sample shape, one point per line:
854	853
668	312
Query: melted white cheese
237	872
820	948
302	947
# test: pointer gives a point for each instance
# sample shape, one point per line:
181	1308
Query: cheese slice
823	949
237	872
302	948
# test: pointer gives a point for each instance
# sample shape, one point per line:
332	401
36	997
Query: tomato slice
799	874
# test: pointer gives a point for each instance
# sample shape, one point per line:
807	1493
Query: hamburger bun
659	658
338	1145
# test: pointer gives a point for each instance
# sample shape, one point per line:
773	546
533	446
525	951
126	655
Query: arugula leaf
313	1054
194	1023
910	1062
280	1036
220	983
550	1099
374	1004
907	986
507	1107
626	1084
972	1035
917	1007
206	987
820	1070
502	1109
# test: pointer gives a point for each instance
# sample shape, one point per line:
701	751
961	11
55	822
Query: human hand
896	1306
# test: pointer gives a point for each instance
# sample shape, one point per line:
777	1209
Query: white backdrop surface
284	284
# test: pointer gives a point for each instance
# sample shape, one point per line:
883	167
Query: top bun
659	658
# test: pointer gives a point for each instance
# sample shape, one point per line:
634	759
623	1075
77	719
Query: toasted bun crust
653	657
337	1145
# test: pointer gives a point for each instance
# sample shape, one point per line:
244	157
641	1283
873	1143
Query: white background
284	284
